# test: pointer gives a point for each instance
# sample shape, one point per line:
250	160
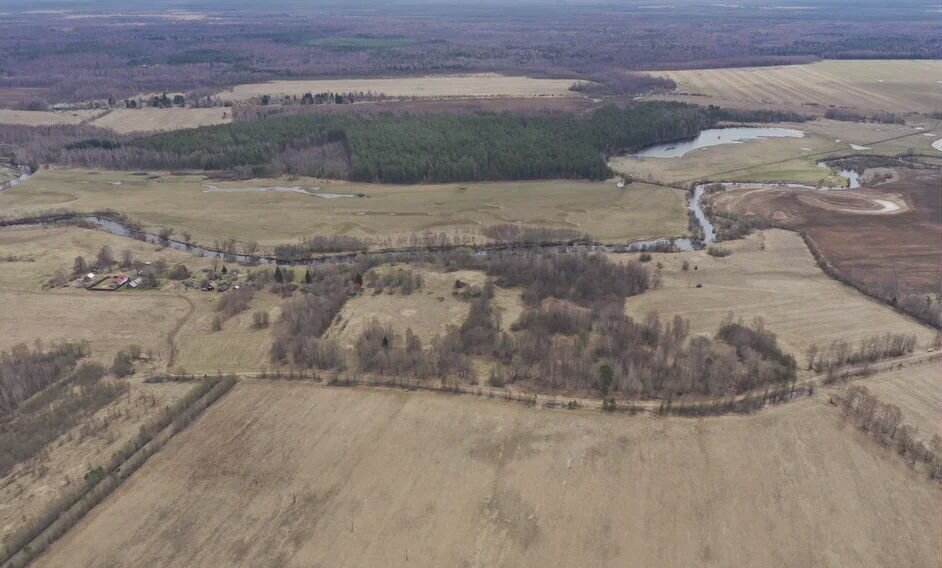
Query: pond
716	137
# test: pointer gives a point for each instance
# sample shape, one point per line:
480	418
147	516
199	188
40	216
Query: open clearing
281	474
781	283
236	347
873	248
34	485
433	86
390	212
428	311
781	159
124	121
45	118
894	86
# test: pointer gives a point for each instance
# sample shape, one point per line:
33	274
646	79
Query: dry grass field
32	486
433	86
917	390
281	474
892	86
110	321
428	311
124	121
45	118
784	159
236	347
773	275
393	212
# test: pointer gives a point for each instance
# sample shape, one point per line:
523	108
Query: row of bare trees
883	422
868	350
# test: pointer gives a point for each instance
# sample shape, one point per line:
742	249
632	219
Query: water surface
716	137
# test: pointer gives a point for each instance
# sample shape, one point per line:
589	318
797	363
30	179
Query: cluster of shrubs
401	280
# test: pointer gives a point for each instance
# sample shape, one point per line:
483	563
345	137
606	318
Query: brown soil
902	244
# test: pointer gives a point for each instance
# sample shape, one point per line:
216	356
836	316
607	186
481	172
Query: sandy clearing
295	474
433	86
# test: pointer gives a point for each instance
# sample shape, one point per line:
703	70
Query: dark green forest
411	149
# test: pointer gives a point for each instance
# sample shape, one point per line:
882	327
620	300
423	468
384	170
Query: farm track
172	335
589	403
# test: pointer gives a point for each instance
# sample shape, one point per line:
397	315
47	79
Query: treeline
869	350
511	233
407	148
25	371
883	422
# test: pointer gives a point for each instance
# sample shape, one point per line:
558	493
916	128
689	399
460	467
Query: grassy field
428	311
109	321
389	212
770	274
32	486
45	118
433	86
236	347
360	42
892	86
784	159
125	121
393	478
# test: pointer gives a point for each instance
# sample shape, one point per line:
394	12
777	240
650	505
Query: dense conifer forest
408	149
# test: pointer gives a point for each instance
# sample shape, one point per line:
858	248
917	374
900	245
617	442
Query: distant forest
408	149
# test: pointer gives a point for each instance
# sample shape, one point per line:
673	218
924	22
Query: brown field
428	311
917	390
125	121
32	486
895	86
246	211
434	86
45	118
384	478
781	283
904	245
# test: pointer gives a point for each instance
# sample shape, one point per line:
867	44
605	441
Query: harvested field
428	311
781	159
110	321
902	246
917	390
31	487
902	86
770	274
45	118
432	86
390	213
125	121
387	478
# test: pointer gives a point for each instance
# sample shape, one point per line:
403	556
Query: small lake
716	137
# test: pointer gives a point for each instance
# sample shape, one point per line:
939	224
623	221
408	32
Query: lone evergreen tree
279	278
